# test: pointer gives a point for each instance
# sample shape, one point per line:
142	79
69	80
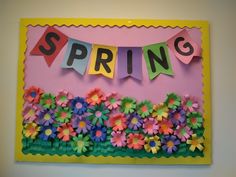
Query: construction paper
157	60
103	59
77	55
184	47
50	44
129	62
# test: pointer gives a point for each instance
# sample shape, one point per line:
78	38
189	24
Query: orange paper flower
65	132
95	96
165	127
118	122
33	94
135	141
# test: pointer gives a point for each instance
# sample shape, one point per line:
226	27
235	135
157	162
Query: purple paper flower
183	132
135	121
31	113
170	143
48	133
177	116
81	124
46	117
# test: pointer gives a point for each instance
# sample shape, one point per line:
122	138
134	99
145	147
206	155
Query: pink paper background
187	79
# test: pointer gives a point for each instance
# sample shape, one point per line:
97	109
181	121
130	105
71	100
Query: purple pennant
130	62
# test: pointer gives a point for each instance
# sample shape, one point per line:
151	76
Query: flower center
98	114
177	116
194	142
171	101
128	105
112	100
149	125
189	103
78	105
63	98
135	140
47	116
193	120
98	133
170	144
182	131
66	131
82	124
32	130
33	94
164	127
144	108
31	112
152	143
63	115
95	97
118	122
159	111
48	101
134	120
80	144
48	132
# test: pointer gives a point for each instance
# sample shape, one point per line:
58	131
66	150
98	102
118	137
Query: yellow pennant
102	60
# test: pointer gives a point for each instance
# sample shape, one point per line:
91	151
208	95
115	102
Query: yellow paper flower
152	144
160	111
31	130
195	142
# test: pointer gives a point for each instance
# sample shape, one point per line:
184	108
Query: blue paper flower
48	133
79	105
98	133
46	117
177	116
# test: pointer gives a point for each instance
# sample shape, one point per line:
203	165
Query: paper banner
50	44
103	59
77	55
157	60
130	62
184	48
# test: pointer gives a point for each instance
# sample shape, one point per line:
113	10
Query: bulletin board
113	91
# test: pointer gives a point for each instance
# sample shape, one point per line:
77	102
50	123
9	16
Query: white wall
221	16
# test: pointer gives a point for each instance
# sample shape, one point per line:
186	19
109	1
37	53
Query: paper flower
177	116
98	133
63	114
170	143
134	121
81	143
46	117
194	120
128	105
47	101
33	94
150	126
118	122
190	104
135	141
160	111
152	144
165	127
30	113
81	124
183	132
31	130
118	138
79	105
48	133
172	101
95	96
63	98
112	101
195	142
144	108
65	132
98	114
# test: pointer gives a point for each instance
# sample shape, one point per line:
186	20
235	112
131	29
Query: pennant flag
183	47
103	60
157	60
50	44
77	55
130	62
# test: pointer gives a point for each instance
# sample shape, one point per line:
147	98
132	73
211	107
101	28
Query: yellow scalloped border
204	27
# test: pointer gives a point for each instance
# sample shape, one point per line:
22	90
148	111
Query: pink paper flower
31	113
33	94
112	101
190	104
118	139
118	122
63	98
135	141
183	132
150	126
